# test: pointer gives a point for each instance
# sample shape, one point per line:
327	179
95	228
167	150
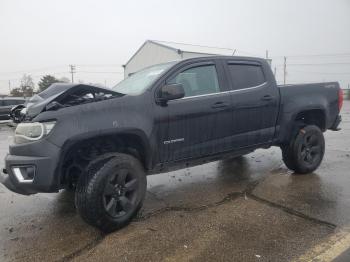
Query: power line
314	64
324	73
314	55
120	65
41	69
100	65
14	79
99	72
64	72
31	70
317	64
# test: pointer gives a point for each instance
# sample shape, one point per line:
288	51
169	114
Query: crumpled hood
64	95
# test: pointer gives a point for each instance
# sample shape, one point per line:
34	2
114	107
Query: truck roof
244	58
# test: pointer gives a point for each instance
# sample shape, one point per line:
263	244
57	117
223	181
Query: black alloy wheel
111	191
311	149
119	196
304	153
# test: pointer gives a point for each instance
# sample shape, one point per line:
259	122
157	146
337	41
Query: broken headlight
29	132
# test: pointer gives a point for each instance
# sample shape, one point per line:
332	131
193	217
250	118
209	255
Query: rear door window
246	75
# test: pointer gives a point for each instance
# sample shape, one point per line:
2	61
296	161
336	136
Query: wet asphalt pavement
246	209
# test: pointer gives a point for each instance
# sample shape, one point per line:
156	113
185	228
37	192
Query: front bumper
7	182
44	163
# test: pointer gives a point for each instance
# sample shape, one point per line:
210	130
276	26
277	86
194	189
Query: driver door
199	124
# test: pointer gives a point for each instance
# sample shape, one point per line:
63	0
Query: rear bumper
335	126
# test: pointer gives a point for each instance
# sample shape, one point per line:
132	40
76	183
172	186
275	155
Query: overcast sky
41	36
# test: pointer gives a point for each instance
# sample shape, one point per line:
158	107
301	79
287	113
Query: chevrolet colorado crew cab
103	142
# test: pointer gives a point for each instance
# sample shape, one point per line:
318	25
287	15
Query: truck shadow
202	185
52	223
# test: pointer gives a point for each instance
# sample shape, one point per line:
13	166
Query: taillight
340	99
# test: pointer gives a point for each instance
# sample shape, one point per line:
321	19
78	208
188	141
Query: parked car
103	142
7	103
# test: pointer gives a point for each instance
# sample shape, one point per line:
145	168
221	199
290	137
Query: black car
103	142
7	103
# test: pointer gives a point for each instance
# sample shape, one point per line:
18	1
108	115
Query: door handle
267	98
219	105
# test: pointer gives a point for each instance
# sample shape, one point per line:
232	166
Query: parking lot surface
251	208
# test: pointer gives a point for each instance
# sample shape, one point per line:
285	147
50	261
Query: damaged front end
17	113
59	96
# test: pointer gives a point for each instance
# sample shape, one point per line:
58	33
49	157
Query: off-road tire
303	155
90	196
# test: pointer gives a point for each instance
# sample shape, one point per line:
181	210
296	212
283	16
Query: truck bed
316	96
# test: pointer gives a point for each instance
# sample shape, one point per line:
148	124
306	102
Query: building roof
195	48
189	48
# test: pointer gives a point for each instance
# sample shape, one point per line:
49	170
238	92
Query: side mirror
171	92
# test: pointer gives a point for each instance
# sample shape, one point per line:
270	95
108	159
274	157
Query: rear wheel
306	150
111	191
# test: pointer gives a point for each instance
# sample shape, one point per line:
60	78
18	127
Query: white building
155	52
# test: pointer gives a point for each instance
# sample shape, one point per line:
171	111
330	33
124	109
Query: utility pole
72	71
269	61
10	86
274	71
284	70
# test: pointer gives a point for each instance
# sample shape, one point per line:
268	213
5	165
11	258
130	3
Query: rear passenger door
255	103
200	123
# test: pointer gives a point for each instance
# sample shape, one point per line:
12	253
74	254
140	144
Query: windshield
54	89
138	82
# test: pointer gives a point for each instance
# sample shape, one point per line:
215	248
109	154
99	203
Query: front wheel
111	191
306	150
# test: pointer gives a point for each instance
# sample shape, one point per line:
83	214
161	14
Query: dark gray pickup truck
103	142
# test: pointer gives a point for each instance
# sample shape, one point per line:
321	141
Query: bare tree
16	92
27	85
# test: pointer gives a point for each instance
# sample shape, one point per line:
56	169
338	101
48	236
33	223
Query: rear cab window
245	75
